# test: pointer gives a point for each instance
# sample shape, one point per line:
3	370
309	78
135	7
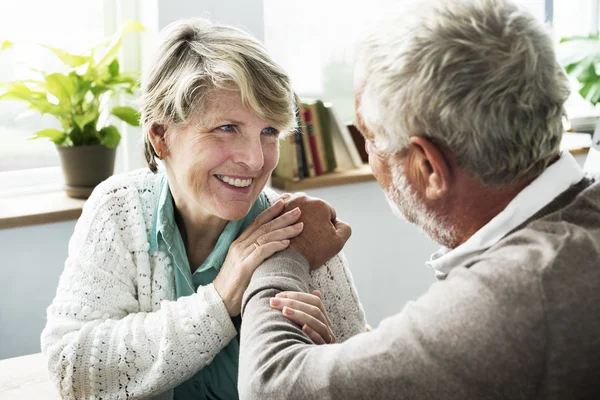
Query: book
325	124
312	139
321	127
299	150
287	167
359	142
346	154
308	156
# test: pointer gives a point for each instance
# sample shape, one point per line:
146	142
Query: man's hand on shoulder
323	235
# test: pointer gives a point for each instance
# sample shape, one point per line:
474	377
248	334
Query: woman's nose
250	153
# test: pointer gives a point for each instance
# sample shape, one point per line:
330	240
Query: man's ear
429	162
157	134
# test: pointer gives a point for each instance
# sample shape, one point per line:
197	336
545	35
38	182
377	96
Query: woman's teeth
235	181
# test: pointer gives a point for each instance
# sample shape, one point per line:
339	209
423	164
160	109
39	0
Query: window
313	39
74	25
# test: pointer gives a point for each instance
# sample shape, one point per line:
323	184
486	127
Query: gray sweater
519	321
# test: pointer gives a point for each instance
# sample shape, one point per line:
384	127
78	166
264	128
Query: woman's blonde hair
196	57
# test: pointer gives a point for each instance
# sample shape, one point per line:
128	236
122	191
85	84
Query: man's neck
475	205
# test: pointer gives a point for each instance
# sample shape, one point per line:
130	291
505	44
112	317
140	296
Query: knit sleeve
340	298
98	341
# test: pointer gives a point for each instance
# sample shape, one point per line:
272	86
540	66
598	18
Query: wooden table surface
26	377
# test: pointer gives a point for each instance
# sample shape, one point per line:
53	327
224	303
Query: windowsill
39	208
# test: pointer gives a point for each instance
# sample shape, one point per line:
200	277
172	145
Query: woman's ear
157	134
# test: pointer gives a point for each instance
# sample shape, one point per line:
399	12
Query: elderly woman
149	302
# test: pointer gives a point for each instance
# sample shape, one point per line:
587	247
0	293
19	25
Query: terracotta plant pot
84	167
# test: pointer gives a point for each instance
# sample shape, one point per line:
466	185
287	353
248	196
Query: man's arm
467	338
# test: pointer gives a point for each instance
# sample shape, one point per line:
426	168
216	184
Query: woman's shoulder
140	183
134	192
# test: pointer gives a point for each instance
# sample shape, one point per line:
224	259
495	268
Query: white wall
32	260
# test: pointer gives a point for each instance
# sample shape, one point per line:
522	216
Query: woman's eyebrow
225	120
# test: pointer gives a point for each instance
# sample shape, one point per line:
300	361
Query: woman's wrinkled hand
306	310
269	233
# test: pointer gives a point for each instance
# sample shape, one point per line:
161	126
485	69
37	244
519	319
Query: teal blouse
218	380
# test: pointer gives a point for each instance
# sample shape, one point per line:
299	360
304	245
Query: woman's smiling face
220	161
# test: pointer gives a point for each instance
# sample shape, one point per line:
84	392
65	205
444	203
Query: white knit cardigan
115	330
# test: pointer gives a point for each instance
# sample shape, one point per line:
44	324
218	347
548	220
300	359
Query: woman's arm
97	341
340	298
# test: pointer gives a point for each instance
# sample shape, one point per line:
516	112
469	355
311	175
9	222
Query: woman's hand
269	233
306	310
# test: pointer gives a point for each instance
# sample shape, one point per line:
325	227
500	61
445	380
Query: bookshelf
362	174
576	143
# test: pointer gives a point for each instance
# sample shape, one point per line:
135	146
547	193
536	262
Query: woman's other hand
306	310
269	233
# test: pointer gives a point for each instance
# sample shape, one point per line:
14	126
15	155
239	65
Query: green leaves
55	135
580	56
127	114
113	68
71	60
110	136
37	99
80	93
7	44
116	41
61	86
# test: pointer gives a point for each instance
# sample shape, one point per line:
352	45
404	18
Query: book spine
308	158
324	124
299	153
347	140
312	140
316	124
302	168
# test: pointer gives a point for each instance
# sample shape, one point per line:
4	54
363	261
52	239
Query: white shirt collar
555	179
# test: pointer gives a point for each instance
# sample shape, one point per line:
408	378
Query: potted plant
81	97
580	56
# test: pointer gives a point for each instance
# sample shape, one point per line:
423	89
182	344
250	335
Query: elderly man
461	104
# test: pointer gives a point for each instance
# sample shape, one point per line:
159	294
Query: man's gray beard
405	204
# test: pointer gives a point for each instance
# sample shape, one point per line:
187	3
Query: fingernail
280	295
296	210
299	225
306	329
285	242
288	311
275	302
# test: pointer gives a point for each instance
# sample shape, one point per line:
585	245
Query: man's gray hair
196	57
478	77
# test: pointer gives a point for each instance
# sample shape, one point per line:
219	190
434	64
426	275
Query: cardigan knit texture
115	329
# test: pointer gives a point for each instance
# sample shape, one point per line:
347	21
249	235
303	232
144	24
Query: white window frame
129	152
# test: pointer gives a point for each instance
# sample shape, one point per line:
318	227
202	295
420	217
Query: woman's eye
270	131
227	128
